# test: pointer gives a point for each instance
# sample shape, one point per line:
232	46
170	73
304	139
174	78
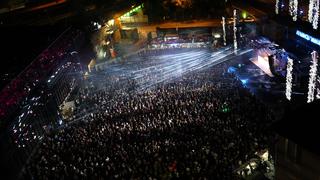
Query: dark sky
20	45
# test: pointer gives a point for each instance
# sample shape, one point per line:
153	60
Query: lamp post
224	31
235	43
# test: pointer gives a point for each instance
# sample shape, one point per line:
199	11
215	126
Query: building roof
301	125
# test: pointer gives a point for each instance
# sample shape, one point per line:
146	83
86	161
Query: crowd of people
39	69
203	124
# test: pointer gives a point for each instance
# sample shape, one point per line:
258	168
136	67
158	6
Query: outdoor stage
263	64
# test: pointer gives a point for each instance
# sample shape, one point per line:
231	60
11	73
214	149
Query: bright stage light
217	36
111	22
289	79
231	70
263	61
263	64
244	81
101	54
244	15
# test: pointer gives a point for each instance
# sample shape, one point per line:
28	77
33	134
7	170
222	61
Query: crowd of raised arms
203	125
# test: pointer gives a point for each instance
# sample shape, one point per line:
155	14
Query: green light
225	108
244	15
132	11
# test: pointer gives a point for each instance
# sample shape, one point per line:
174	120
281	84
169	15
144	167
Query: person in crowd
202	124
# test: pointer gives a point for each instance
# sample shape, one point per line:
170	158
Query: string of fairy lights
312	77
310	11
313	18
313	10
289	79
313	13
235	43
293	9
318	89
316	15
224	31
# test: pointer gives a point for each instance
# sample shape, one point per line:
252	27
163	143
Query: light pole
224	31
235	43
312	76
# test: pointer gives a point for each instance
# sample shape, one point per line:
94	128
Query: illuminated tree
293	9
224	30
318	87
312	76
277	7
235	43
313	13
289	79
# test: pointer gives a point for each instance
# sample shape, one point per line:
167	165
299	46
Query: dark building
298	149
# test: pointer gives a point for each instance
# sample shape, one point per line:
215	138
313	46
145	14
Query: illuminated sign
308	37
134	10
